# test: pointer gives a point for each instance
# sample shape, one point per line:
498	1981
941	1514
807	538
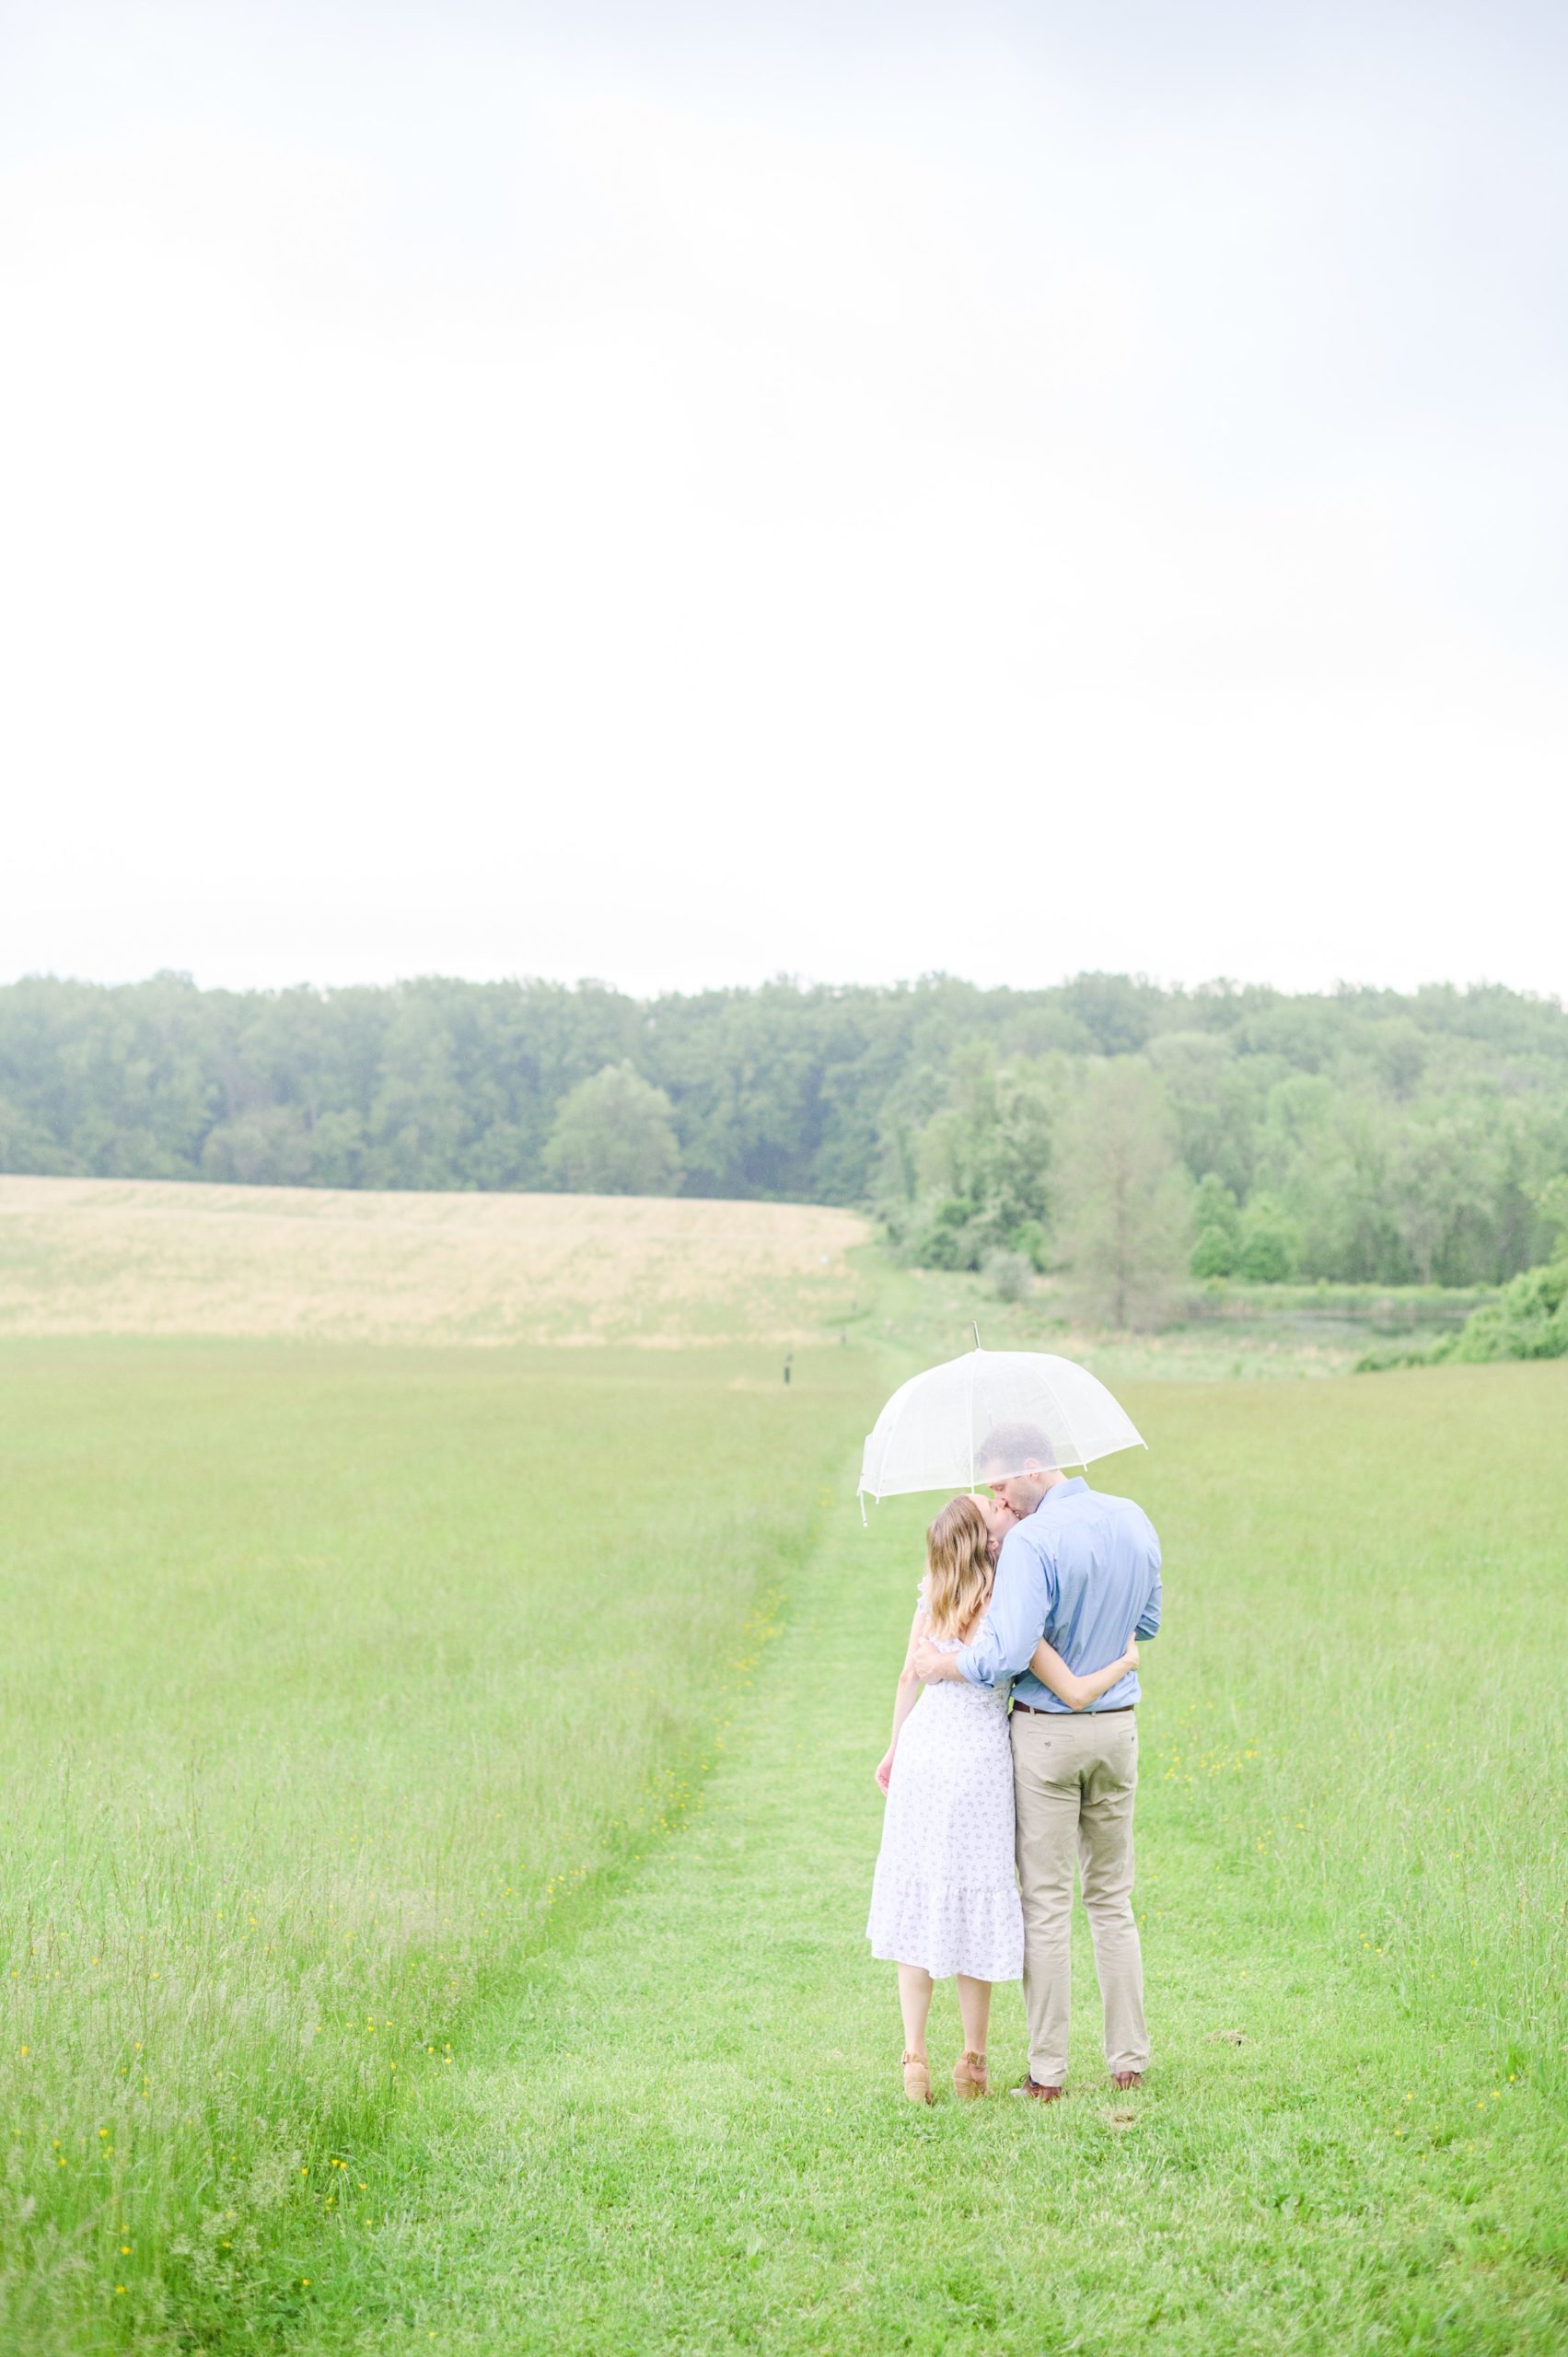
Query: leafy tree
1396	1137
1552	1203
1119	1012
1218	1098
1214	1206
267	1147
978	1168
1399	1051
1215	1253
1268	1245
419	1121
337	1150
1012	1165
1324	1158
1217	1220
24	1144
1123	1223
1440	1176
614	1135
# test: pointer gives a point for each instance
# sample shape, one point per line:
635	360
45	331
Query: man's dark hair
1009	1447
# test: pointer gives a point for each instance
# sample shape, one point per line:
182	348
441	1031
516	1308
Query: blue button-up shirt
1083	1572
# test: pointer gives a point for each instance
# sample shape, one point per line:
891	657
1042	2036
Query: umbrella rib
903	1396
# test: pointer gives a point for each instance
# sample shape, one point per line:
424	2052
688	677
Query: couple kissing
1013	1757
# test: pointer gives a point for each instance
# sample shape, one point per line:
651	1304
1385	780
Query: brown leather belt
1035	1711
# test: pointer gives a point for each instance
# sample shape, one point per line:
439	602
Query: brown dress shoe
1040	2095
1122	2080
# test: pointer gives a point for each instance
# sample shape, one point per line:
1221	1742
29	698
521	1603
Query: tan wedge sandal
969	2075
917	2078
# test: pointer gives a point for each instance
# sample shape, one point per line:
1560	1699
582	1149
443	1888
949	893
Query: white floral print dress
946	1893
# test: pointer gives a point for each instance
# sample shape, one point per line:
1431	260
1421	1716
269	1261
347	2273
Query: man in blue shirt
1082	1570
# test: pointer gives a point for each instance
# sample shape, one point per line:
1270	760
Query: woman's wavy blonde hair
958	1567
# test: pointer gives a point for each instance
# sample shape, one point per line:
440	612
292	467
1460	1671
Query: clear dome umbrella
982	1417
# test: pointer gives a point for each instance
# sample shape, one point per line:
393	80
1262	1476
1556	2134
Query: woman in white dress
945	1901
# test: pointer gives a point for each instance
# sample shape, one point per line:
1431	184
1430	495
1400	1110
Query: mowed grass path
680	2129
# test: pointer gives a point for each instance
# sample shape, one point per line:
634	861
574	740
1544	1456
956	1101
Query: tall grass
331	1677
1373	1626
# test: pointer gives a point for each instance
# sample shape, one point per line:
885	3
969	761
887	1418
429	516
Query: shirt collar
1069	1489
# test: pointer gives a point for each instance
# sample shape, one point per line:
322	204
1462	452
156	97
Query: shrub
1383	1356
1214	1254
945	1241
1029	1237
1009	1275
1266	1258
1528	1320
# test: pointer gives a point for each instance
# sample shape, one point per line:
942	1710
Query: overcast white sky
679	493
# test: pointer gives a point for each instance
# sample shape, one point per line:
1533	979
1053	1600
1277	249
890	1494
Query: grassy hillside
81	1255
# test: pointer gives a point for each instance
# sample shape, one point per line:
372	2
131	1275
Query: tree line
1360	1135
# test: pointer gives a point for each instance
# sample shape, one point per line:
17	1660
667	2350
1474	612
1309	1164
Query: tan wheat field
90	1256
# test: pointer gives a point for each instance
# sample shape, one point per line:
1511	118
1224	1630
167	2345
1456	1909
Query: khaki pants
1075	1777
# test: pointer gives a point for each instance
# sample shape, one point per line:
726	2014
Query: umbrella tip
974	1330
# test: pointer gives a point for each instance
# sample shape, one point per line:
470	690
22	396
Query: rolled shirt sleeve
1020	1606
1149	1618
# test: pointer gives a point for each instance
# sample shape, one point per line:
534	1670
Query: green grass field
439	1823
332	1676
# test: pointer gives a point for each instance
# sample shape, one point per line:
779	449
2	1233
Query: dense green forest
1360	1135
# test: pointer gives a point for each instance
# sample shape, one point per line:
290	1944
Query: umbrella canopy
985	1415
